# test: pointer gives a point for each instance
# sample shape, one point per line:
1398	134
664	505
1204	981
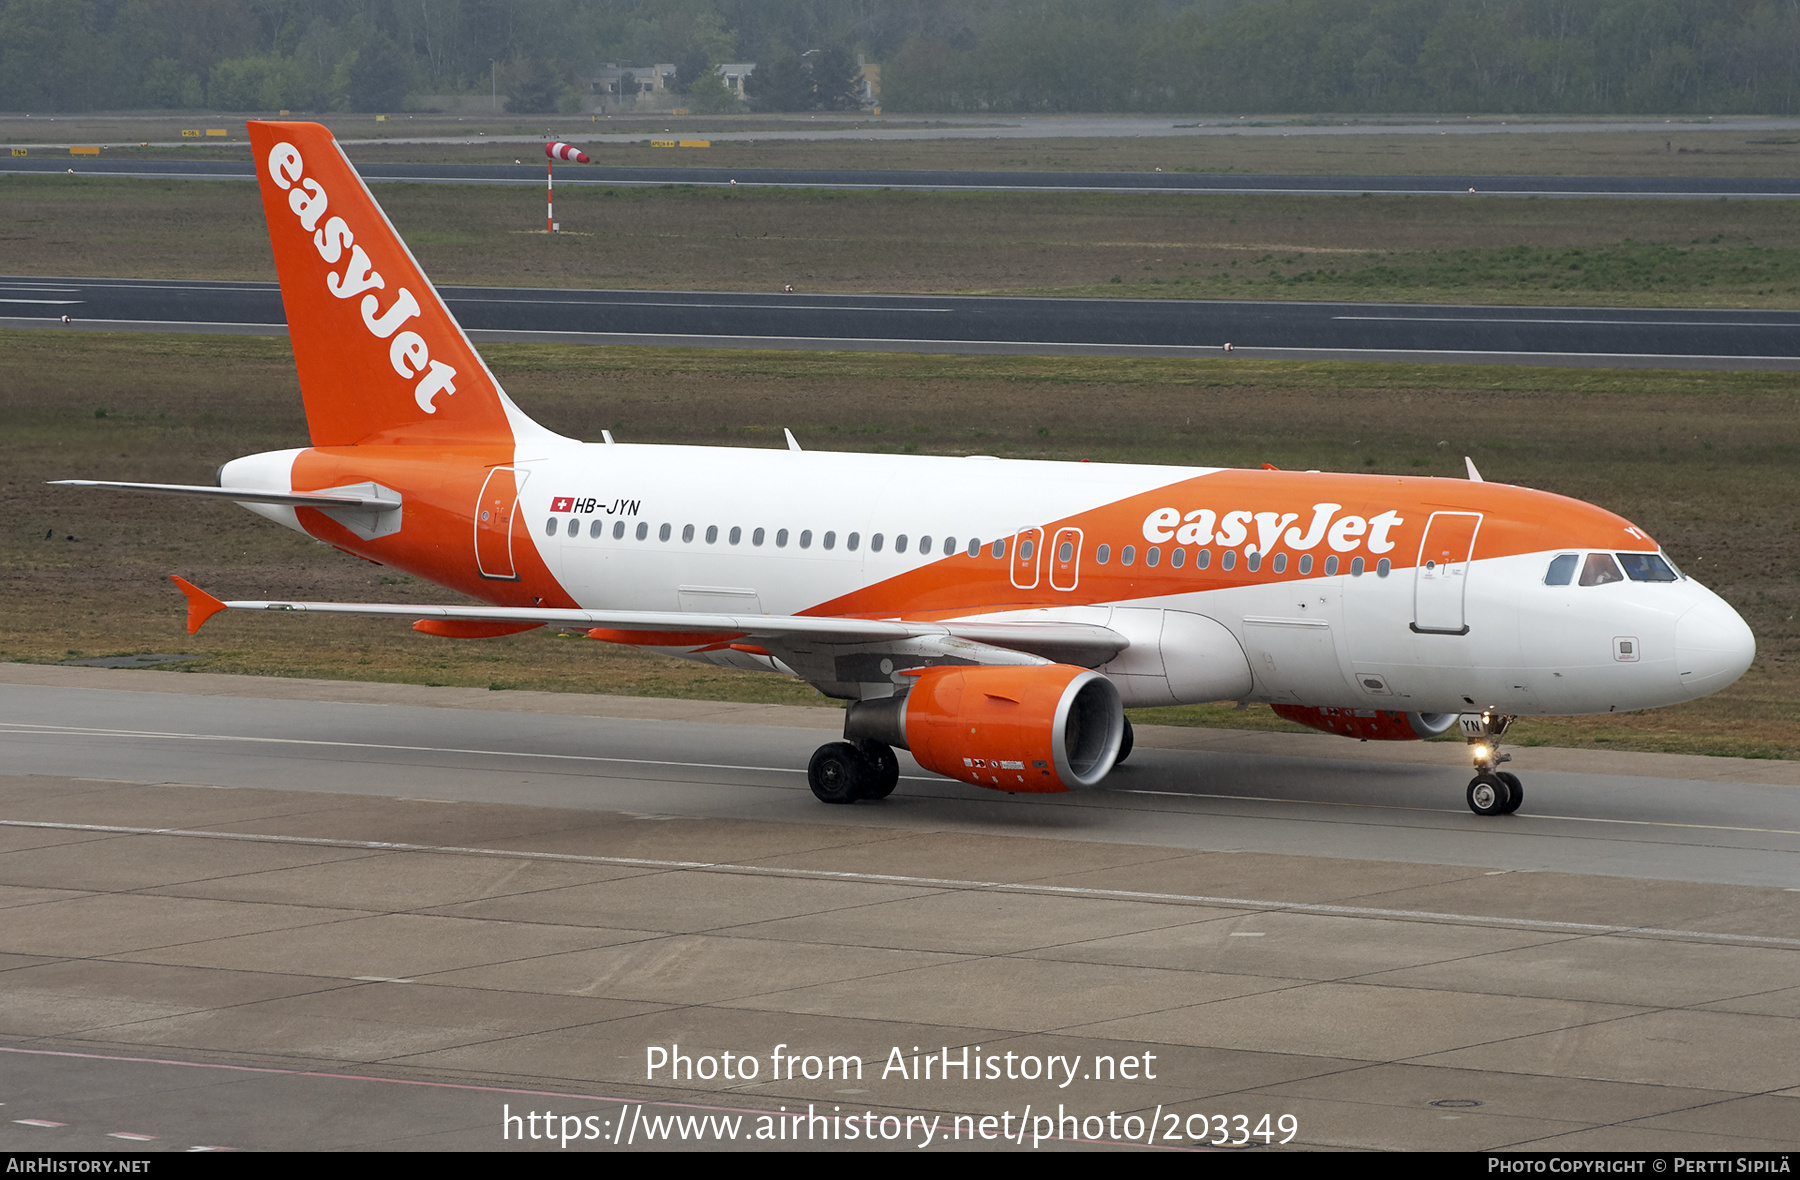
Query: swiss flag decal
563	504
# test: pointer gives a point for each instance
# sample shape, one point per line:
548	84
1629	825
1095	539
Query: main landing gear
1492	791
843	772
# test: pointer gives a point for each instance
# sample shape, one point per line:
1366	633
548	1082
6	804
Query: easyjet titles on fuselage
408	352
1344	534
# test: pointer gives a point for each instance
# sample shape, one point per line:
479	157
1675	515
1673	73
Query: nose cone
1713	647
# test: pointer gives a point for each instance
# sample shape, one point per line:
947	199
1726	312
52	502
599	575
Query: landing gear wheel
1515	791
1124	745
1488	795
838	773
884	769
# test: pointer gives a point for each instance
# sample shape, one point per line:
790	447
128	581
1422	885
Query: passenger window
1599	569
712	534
998	549
1562	569
1177	557
830	540
1152	555
595	528
1103	554
1647	567
643	530
1227	559
1305	564
874	543
1065	551
662	534
756	538
780	539
851	541
1331	564
1279	565
550	527
900	543
1382	567
1128	555
925	546
1252	561
619	531
974	547
687	534
806	539
1024	550
736	535
1202	559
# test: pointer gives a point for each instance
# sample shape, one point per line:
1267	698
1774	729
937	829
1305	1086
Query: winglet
201	605
793	443
1474	475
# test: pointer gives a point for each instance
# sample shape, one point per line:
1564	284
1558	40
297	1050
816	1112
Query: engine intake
1048	727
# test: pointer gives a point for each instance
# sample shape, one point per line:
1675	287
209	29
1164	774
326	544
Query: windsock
566	151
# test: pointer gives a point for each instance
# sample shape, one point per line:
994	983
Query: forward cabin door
1441	579
494	513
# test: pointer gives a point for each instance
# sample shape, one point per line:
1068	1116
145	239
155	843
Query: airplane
993	617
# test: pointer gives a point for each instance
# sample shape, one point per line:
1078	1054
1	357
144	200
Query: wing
831	650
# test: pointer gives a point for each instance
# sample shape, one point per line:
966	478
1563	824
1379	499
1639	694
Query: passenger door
494	513
1441	578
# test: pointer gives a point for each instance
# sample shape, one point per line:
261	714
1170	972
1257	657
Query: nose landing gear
1492	791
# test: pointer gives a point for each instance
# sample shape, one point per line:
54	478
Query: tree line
1003	56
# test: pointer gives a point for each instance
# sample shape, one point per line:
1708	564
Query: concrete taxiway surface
1604	337
254	913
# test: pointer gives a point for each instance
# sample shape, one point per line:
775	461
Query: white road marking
778	306
1458	319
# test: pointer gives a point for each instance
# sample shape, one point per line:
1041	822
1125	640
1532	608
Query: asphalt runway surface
248	913
1608	337
531	173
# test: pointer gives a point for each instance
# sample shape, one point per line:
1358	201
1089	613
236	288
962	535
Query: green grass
1601	251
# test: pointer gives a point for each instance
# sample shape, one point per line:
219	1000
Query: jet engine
1041	728
1371	725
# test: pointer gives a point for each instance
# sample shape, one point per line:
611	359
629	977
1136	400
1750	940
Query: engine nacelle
1048	727
1371	725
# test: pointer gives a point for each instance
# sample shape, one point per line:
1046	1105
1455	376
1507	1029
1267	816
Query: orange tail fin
380	357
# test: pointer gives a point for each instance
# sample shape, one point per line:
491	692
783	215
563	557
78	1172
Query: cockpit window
1647	567
1562	569
1599	569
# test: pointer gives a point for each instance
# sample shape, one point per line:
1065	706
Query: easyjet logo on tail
407	350
1344	534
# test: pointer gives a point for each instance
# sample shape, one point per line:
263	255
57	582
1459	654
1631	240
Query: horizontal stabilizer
241	495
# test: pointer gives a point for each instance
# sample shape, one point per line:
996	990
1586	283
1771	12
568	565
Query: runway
388	911
1604	337
531	173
